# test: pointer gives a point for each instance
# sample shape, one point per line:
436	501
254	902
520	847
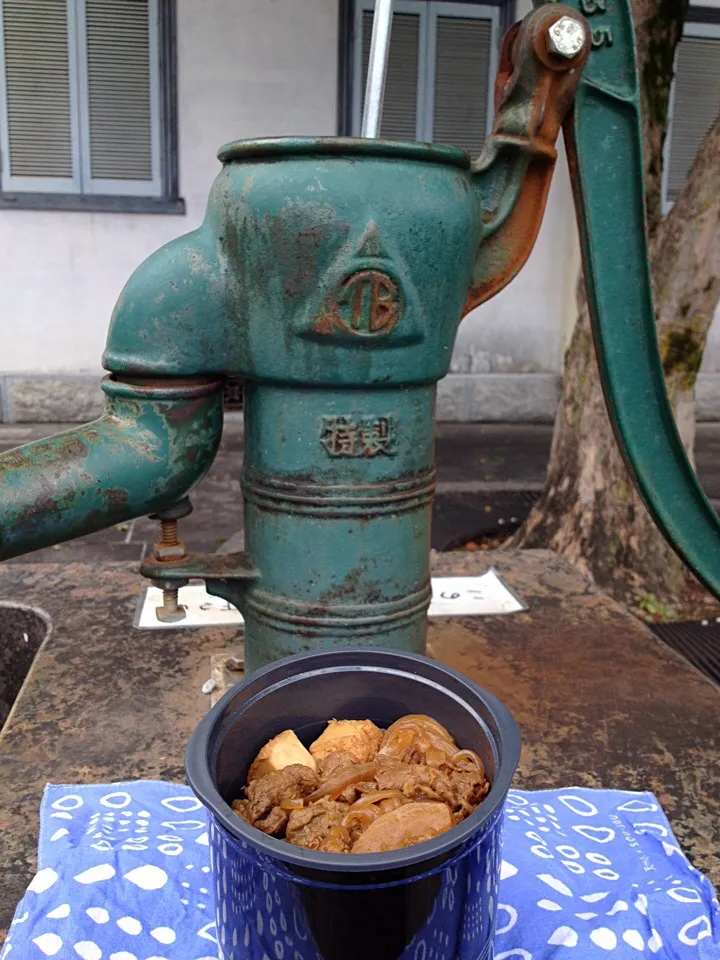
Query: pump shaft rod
377	69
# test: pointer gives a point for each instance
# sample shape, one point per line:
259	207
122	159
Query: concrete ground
484	470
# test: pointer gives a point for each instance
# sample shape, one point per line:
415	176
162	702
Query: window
441	69
83	99
694	103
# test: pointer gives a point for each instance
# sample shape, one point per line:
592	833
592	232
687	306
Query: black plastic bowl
275	901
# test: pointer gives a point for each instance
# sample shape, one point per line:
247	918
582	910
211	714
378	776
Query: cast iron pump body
332	275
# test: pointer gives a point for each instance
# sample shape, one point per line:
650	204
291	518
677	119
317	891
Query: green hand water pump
331	275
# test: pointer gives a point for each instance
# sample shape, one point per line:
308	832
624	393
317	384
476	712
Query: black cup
433	901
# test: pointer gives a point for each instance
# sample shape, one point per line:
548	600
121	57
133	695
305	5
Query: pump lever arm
603	134
533	93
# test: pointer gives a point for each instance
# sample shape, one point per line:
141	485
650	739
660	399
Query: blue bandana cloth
124	874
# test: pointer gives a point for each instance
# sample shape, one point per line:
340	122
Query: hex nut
166	616
162	551
566	38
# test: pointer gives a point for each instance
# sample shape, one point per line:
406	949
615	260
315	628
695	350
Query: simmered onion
416	734
472	757
335	785
435	757
376	797
413	823
363	817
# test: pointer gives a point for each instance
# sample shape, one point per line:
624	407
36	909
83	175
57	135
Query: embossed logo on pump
367	304
362	296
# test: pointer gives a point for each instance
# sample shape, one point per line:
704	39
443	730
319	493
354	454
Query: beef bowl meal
360	789
355	801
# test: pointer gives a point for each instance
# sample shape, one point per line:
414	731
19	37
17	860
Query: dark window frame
346	52
702	15
170	202
697	16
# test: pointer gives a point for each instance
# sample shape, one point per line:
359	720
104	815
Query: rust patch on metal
162	387
298	242
115	496
533	96
347	590
203	566
184	411
71	447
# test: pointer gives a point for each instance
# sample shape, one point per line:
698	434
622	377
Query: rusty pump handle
534	90
603	134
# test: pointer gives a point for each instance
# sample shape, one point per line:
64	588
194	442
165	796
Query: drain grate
697	641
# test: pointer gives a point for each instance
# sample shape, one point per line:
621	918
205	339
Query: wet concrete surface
476	463
600	702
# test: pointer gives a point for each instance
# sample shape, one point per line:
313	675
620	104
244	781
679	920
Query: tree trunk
589	510
658	29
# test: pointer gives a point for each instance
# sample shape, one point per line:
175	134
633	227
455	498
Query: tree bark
589	510
658	29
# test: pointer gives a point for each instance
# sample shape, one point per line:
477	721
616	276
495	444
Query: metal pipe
151	446
377	69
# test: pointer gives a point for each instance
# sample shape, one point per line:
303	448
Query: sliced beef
468	789
333	765
267	794
416	781
319	827
334	762
461	790
240	807
274	822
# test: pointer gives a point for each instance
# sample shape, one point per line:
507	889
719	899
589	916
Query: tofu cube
282	751
361	738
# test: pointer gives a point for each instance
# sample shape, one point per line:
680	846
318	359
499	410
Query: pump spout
154	442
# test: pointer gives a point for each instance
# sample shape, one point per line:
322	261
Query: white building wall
509	351
251	68
246	68
521	329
